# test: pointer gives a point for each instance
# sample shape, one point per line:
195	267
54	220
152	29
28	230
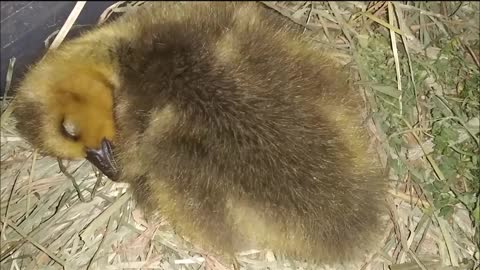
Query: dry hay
418	66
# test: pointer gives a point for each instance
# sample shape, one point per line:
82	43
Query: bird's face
69	117
83	116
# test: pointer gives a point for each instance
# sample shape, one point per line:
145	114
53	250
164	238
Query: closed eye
70	130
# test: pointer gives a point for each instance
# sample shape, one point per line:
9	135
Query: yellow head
65	108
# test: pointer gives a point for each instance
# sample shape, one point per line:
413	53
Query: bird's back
238	130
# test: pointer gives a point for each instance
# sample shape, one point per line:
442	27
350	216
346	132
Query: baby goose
224	121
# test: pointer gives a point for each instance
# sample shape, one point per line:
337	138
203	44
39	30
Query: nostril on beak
103	159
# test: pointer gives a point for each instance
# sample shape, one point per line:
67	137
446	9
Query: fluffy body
225	122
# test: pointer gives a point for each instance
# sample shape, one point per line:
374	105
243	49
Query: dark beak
103	159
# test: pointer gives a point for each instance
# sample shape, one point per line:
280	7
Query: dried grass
417	65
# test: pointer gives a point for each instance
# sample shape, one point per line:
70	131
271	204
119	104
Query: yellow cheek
76	151
94	128
64	148
91	136
109	130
